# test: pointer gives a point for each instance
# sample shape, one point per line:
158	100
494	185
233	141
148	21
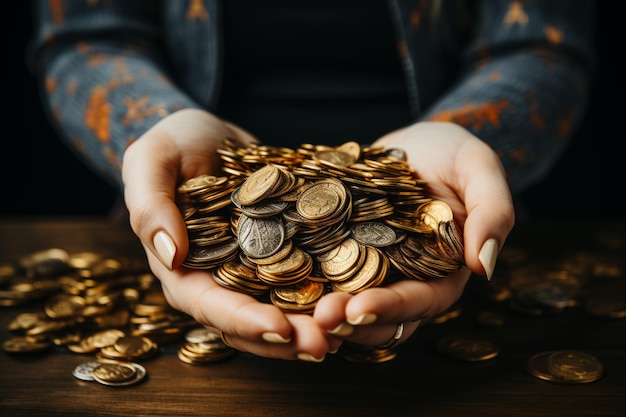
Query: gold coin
574	366
335	157
434	212
119	374
200	182
134	346
257	185
105	337
111	372
537	366
321	199
64	306
352	148
343	259
19	344
469	349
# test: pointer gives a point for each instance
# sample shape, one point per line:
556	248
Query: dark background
40	176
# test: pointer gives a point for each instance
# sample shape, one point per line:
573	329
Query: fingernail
367	318
165	248
344	329
309	358
487	256
275	338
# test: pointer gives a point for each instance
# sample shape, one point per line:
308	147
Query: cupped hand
182	146
463	171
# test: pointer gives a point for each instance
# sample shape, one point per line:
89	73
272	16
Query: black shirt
321	71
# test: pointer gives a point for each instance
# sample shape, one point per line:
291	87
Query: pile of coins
87	300
112	308
288	226
203	346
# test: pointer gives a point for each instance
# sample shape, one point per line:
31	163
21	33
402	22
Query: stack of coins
565	366
130	348
468	349
110	373
355	352
203	346
300	223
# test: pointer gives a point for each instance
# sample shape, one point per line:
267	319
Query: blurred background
39	176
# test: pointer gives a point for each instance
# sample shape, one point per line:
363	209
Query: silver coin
260	238
201	335
373	234
84	371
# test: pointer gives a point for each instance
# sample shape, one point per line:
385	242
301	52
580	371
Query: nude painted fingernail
165	248
309	358
367	318
487	256
344	329
275	338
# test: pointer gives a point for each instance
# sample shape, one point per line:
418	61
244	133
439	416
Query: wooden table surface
420	381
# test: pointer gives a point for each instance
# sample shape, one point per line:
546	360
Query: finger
490	211
309	343
330	314
371	316
196	293
406	300
384	336
149	192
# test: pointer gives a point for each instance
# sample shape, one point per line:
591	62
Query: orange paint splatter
139	110
553	34
177	107
119	64
83	47
51	84
98	114
197	10
402	48
535	116
495	76
79	145
415	18
57	11
518	155
97	59
516	15
474	115
112	157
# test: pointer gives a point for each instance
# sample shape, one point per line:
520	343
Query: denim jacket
516	73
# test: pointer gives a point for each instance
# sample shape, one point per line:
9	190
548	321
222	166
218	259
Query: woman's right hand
182	146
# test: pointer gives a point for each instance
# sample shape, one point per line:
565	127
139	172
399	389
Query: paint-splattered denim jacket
515	73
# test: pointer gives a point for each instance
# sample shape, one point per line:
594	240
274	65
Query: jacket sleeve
525	83
103	81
